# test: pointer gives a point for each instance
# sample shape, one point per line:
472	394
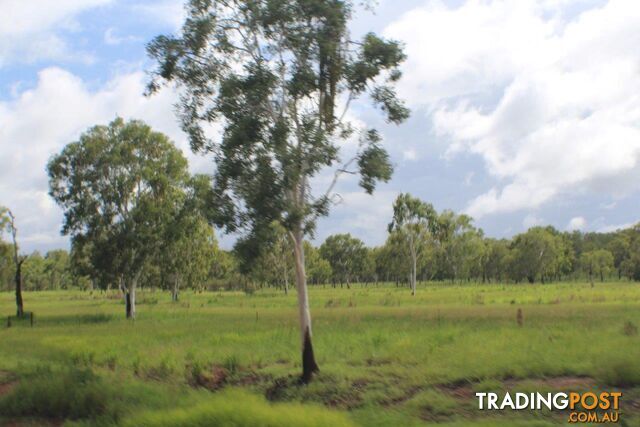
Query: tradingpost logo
586	407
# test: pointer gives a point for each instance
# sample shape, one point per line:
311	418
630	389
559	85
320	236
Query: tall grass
380	351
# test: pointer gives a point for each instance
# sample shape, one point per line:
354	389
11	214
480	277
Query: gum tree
415	222
347	256
189	244
279	77
117	186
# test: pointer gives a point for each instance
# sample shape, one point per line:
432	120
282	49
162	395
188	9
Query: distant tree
535	255
368	273
115	186
495	262
597	262
187	256
347	256
276	263
6	265
273	73
630	266
57	269
93	258
318	268
415	222
34	275
619	248
568	261
188	242
8	224
466	251
391	260
460	246
224	269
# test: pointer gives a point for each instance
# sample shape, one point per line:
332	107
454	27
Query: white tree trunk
413	275
414	264
130	298
309	366
286	279
176	289
134	284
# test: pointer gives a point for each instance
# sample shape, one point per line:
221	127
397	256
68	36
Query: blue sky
524	112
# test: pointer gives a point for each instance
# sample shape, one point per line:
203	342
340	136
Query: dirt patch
32	422
216	377
250	378
8	381
324	389
211	379
7	388
458	390
278	390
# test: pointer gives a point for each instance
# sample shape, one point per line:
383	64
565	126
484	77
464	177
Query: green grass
386	358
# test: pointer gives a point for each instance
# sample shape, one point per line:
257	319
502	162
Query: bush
72	393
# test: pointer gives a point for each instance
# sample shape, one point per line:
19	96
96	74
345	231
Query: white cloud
31	30
410	154
170	12
40	121
111	37
549	100
577	223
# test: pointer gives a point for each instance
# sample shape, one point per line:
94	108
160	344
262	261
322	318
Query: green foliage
597	262
120	187
273	74
347	257
536	255
318	268
6	265
275	265
53	271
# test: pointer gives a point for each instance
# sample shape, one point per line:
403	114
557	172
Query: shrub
630	329
67	393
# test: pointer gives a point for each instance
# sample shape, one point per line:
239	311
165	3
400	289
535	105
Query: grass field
386	358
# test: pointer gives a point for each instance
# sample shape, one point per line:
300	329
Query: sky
523	112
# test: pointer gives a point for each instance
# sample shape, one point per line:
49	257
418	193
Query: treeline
459	252
541	254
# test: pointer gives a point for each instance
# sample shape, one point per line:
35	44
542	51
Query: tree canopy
279	76
118	186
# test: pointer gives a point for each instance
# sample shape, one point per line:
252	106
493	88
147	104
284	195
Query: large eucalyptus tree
118	186
279	77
